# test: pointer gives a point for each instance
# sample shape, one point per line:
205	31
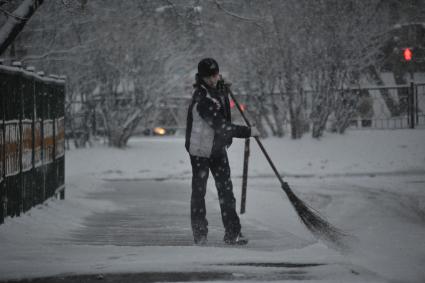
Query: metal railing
32	139
386	107
390	107
382	108
419	104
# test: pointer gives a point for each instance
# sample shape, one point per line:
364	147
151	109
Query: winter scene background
335	88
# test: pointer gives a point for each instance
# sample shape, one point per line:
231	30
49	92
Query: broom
317	225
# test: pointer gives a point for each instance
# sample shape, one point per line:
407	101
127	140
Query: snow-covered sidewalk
369	183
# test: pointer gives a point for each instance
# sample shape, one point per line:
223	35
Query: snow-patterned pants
220	169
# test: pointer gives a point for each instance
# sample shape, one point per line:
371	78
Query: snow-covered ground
371	184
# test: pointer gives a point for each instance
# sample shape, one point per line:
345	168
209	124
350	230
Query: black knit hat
207	67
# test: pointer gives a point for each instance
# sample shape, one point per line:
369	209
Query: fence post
61	117
412	105
42	104
53	101
27	81
17	192
19	87
33	113
3	150
416	104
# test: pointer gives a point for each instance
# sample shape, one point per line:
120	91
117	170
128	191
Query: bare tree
131	61
281	54
288	46
345	40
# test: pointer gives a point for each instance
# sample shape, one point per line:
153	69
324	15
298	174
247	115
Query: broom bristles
316	224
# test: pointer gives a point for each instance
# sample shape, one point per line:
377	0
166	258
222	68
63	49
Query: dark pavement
156	213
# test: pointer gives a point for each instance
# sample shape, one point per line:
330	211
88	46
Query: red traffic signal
407	54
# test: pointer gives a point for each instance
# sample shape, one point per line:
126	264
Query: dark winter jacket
209	126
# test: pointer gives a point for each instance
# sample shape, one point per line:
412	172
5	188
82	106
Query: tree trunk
118	136
296	113
265	113
278	117
322	108
16	22
346	107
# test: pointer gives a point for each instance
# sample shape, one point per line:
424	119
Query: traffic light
408	54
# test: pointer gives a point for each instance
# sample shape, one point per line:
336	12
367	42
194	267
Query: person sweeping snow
209	132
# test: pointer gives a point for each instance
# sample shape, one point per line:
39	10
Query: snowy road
156	213
135	227
385	214
384	221
151	219
145	236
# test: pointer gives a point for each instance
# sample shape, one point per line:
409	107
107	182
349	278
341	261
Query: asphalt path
156	213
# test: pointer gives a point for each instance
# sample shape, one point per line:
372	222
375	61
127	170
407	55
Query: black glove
223	85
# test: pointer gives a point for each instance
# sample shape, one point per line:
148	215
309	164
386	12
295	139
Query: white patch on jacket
202	136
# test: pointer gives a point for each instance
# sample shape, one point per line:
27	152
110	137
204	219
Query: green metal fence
32	144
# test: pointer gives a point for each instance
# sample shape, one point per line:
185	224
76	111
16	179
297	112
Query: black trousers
220	169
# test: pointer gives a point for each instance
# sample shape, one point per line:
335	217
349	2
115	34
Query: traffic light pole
411	98
412	105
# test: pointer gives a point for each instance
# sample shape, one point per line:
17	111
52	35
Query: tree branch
12	15
253	20
2	2
14	24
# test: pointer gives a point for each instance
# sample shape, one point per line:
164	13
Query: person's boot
200	240
239	239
